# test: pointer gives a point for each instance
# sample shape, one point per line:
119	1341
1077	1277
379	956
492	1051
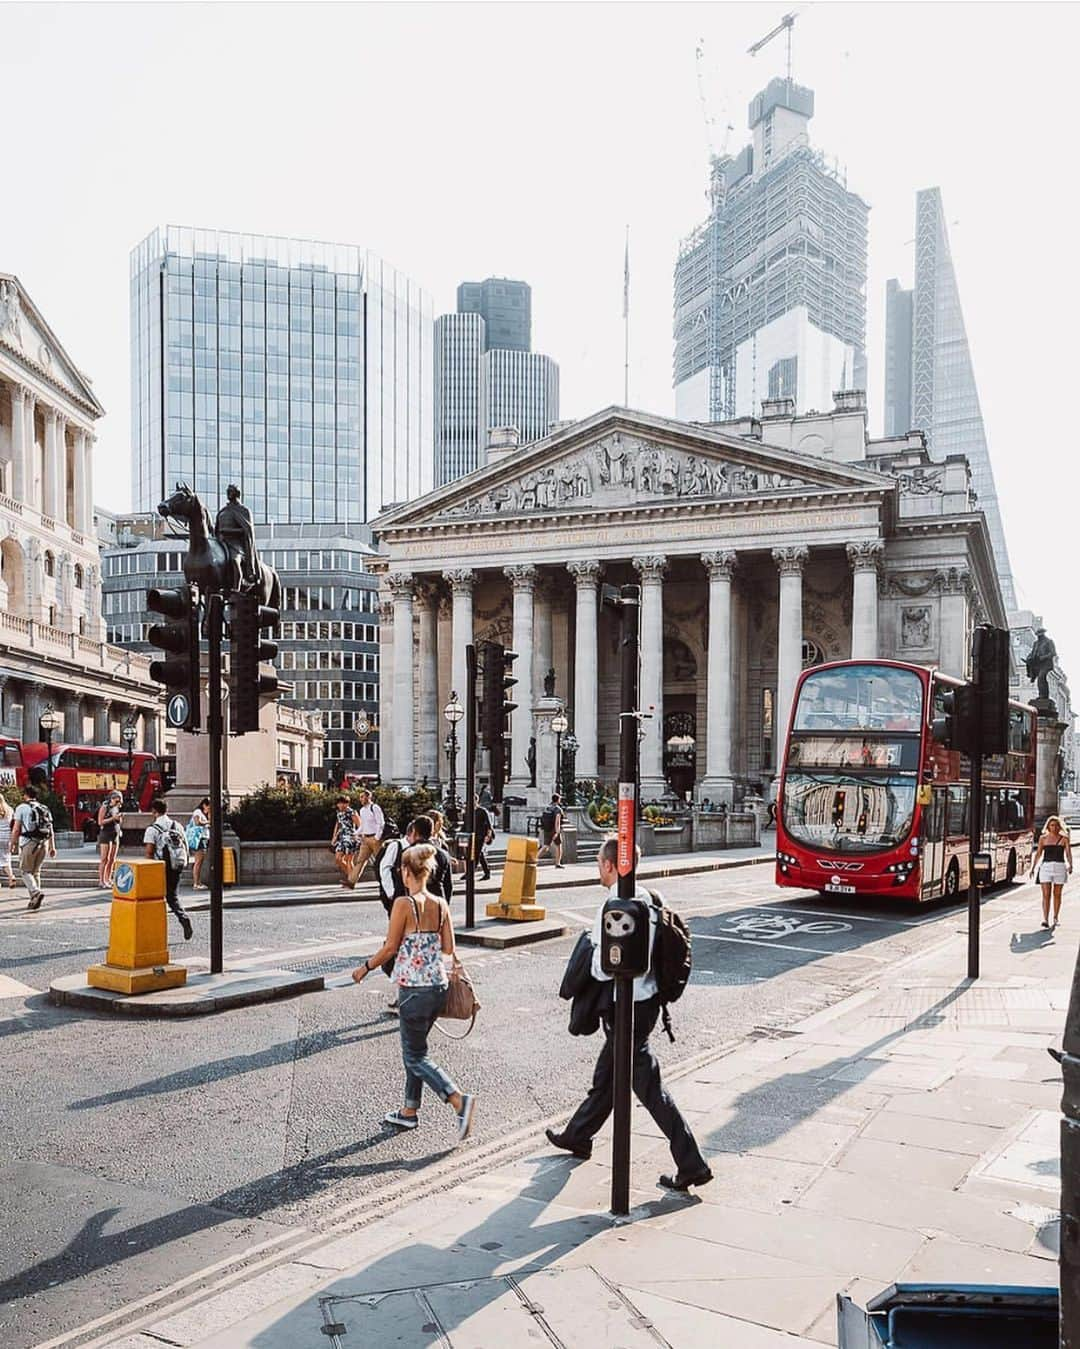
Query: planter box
302	861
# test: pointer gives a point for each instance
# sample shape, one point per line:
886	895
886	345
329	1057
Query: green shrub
307	813
61	818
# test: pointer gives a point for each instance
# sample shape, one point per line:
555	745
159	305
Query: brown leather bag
461	1004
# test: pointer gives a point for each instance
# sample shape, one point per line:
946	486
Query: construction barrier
138	957
518	890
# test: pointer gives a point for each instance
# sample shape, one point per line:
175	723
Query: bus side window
935	817
956	821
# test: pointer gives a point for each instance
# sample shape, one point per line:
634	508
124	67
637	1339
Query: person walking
110	818
32	836
198	840
420	940
551	823
1052	866
590	1116
392	879
164	841
372	824
345	840
438	830
7	819
483	834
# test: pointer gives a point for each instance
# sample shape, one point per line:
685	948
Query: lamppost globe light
559	724
453	711
129	735
50	720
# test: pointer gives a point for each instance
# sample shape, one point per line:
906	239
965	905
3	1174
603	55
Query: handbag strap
462	1036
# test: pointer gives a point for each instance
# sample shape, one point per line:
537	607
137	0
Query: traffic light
248	687
180	638
990	661
956	726
495	708
839	800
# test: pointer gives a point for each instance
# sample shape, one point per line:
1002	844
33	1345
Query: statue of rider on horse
225	557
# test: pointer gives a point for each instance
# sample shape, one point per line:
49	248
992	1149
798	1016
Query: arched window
812	653
50	564
78	576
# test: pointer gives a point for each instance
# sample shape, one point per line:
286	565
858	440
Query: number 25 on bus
871	804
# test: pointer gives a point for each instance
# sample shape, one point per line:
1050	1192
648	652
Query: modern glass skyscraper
770	292
522	391
929	379
300	371
460	395
506	308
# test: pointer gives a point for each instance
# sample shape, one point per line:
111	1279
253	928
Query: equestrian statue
223	557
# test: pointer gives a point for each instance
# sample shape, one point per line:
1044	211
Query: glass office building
300	371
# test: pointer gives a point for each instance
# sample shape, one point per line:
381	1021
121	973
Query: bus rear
848	811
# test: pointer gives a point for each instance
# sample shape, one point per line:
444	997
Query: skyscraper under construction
770	291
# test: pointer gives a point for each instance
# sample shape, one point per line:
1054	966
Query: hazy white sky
460	141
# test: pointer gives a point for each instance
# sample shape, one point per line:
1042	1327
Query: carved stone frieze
921	482
621	471
916	584
916	627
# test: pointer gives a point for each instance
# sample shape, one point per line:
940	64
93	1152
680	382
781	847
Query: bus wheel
1010	868
952	880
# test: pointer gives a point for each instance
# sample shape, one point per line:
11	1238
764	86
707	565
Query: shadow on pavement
1020	942
14	962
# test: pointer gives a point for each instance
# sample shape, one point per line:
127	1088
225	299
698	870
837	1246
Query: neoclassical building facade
52	651
760	546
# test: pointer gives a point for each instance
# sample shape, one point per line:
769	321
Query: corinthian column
61	470
51	466
19	456
404	711
718	784
429	720
523	579
461	625
651	697
865	559
790	563
586	574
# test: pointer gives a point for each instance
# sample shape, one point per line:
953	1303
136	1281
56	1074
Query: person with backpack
669	966
551	821
391	879
32	837
166	842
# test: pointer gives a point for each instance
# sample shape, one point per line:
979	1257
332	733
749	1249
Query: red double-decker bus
12	768
83	775
871	804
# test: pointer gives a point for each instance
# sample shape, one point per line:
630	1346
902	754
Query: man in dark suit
482	836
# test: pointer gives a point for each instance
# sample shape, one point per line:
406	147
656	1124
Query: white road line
11	988
781	946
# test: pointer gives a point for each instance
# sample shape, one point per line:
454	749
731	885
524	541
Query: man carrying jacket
590	1116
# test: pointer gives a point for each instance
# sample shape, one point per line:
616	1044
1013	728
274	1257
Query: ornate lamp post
453	712
560	726
128	734
49	721
569	784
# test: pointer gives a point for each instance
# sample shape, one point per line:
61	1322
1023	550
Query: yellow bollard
518	889
138	956
228	866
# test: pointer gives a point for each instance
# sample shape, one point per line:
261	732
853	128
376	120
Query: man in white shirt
32	837
590	1116
155	841
372	823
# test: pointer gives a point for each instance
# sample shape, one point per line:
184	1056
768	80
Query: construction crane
786	24
711	120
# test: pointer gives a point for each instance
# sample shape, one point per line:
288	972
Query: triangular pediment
619	460
25	335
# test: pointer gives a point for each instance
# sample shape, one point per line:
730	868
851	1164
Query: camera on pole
249	688
180	638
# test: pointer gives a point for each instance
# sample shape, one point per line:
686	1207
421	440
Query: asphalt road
140	1152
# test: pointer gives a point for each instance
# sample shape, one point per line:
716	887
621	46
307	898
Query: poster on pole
626	820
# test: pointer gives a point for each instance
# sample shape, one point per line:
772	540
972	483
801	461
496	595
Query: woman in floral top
420	938
345	840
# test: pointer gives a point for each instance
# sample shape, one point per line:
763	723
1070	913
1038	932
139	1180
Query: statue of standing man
1040	661
235	529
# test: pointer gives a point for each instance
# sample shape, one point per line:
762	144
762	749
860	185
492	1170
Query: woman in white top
198	837
7	816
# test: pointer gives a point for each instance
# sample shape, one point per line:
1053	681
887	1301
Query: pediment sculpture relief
621	471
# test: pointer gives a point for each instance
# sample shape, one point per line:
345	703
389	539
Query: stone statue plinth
1048	765
546	767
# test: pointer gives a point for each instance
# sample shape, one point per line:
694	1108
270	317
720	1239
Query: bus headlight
787	859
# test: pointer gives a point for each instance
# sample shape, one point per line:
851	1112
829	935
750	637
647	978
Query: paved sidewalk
910	1132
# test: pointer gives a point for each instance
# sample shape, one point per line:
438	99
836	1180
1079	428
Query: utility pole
215	620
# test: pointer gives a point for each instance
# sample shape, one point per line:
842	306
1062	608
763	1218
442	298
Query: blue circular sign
124	879
177	710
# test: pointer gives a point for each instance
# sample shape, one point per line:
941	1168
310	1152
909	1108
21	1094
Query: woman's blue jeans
418	1009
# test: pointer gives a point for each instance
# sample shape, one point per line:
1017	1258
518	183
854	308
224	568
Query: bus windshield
860	698
844	813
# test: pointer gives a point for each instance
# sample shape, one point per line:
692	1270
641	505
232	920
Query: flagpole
626	321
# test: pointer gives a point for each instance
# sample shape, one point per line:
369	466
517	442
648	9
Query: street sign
177	709
124	879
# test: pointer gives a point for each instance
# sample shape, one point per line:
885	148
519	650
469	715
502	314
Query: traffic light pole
623	1031
214	624
470	785
975	802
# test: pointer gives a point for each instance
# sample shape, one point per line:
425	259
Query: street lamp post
560	726
453	712
569	771
49	721
128	735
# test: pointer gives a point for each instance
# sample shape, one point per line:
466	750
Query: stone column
401	751
718	784
522	578
586	574
386	687
790	563
61	470
545	641
954	621
103	722
33	706
429	719
651	699
49	506
5	703
81	486
461	626
865	559
73	720
19	454
30	456
149	731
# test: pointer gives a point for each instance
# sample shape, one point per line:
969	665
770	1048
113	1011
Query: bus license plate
834	889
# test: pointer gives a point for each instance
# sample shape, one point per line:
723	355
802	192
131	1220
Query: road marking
11	988
783	946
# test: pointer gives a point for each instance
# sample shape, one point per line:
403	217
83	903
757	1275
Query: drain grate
325	964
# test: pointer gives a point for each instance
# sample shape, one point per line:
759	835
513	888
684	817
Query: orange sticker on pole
626	822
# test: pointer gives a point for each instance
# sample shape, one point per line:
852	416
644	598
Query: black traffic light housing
180	638
495	709
990	661
248	686
957	727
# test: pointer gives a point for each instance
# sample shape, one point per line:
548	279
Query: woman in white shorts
1052	866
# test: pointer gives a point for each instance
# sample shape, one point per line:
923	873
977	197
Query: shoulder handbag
461	1004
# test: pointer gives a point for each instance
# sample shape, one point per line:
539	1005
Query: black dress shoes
582	1150
681	1182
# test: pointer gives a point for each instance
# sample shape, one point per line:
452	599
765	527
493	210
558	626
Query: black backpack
672	959
41	822
395	866
548	818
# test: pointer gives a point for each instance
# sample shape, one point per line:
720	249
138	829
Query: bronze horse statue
212	563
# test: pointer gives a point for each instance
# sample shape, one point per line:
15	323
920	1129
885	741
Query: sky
466	140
